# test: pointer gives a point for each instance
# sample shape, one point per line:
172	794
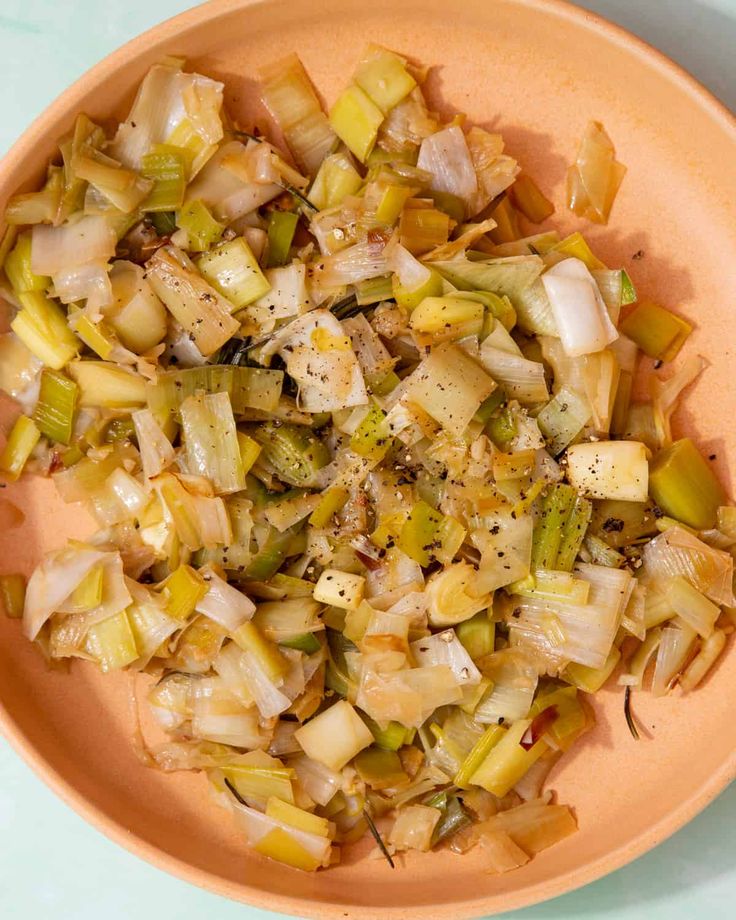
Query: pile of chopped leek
378	510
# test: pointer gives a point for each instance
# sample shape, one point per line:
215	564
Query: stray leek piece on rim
684	486
57	400
22	439
659	333
594	179
13	595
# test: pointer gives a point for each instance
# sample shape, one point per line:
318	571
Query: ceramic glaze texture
537	72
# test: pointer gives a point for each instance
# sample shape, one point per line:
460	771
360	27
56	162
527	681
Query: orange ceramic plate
537	71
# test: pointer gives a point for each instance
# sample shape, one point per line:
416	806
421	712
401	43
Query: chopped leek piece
693	607
628	291
441	319
249	451
281	228
390	738
18	269
563	418
528	198
555	511
234	272
183	590
507	223
293	452
423	229
331	502
340	589
201	228
88	593
247	387
507	761
590	680
356	120
659	333
410	298
384	77
306	642
478	754
42	328
380	769
166	166
428	536
335	180
610	469
37	207
519	465
111	642
477	635
392	202
573	533
373	290
684	486
199	308
252	640
273	783
334	736
297	817
22	439
289	96
108	385
13	595
96	336
372	438
211	441
576	246
54	412
450	387
278	844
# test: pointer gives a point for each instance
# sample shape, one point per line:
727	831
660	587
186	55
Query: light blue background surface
53	864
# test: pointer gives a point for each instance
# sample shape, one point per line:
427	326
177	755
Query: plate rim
242	891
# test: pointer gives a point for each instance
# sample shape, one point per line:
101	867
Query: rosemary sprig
377	837
235	792
627	712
